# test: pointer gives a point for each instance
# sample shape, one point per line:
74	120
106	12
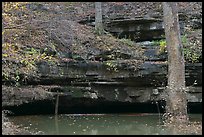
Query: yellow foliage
16	34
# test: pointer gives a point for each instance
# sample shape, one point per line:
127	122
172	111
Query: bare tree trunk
176	101
2	23
98	18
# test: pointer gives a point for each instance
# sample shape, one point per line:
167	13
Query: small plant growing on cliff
111	65
190	55
162	46
190	52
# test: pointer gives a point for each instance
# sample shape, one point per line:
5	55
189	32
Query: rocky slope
93	70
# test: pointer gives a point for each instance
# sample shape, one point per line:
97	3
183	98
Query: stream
97	124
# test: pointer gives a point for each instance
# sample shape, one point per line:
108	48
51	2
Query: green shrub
191	52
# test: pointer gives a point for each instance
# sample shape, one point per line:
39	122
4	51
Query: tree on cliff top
98	19
176	100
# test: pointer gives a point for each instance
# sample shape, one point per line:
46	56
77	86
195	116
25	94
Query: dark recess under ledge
48	107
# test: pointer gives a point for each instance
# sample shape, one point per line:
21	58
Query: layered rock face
92	87
95	76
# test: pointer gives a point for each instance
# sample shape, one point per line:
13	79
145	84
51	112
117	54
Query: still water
96	124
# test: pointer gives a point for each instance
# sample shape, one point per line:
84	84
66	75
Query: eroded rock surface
95	70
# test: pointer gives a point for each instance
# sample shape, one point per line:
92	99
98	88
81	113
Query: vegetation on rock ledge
21	42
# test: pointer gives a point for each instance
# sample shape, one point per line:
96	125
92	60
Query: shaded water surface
96	124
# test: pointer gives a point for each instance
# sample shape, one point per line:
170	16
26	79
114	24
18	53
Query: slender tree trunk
98	18
2	23
176	101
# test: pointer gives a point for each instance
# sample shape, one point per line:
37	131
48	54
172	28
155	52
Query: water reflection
111	124
56	124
